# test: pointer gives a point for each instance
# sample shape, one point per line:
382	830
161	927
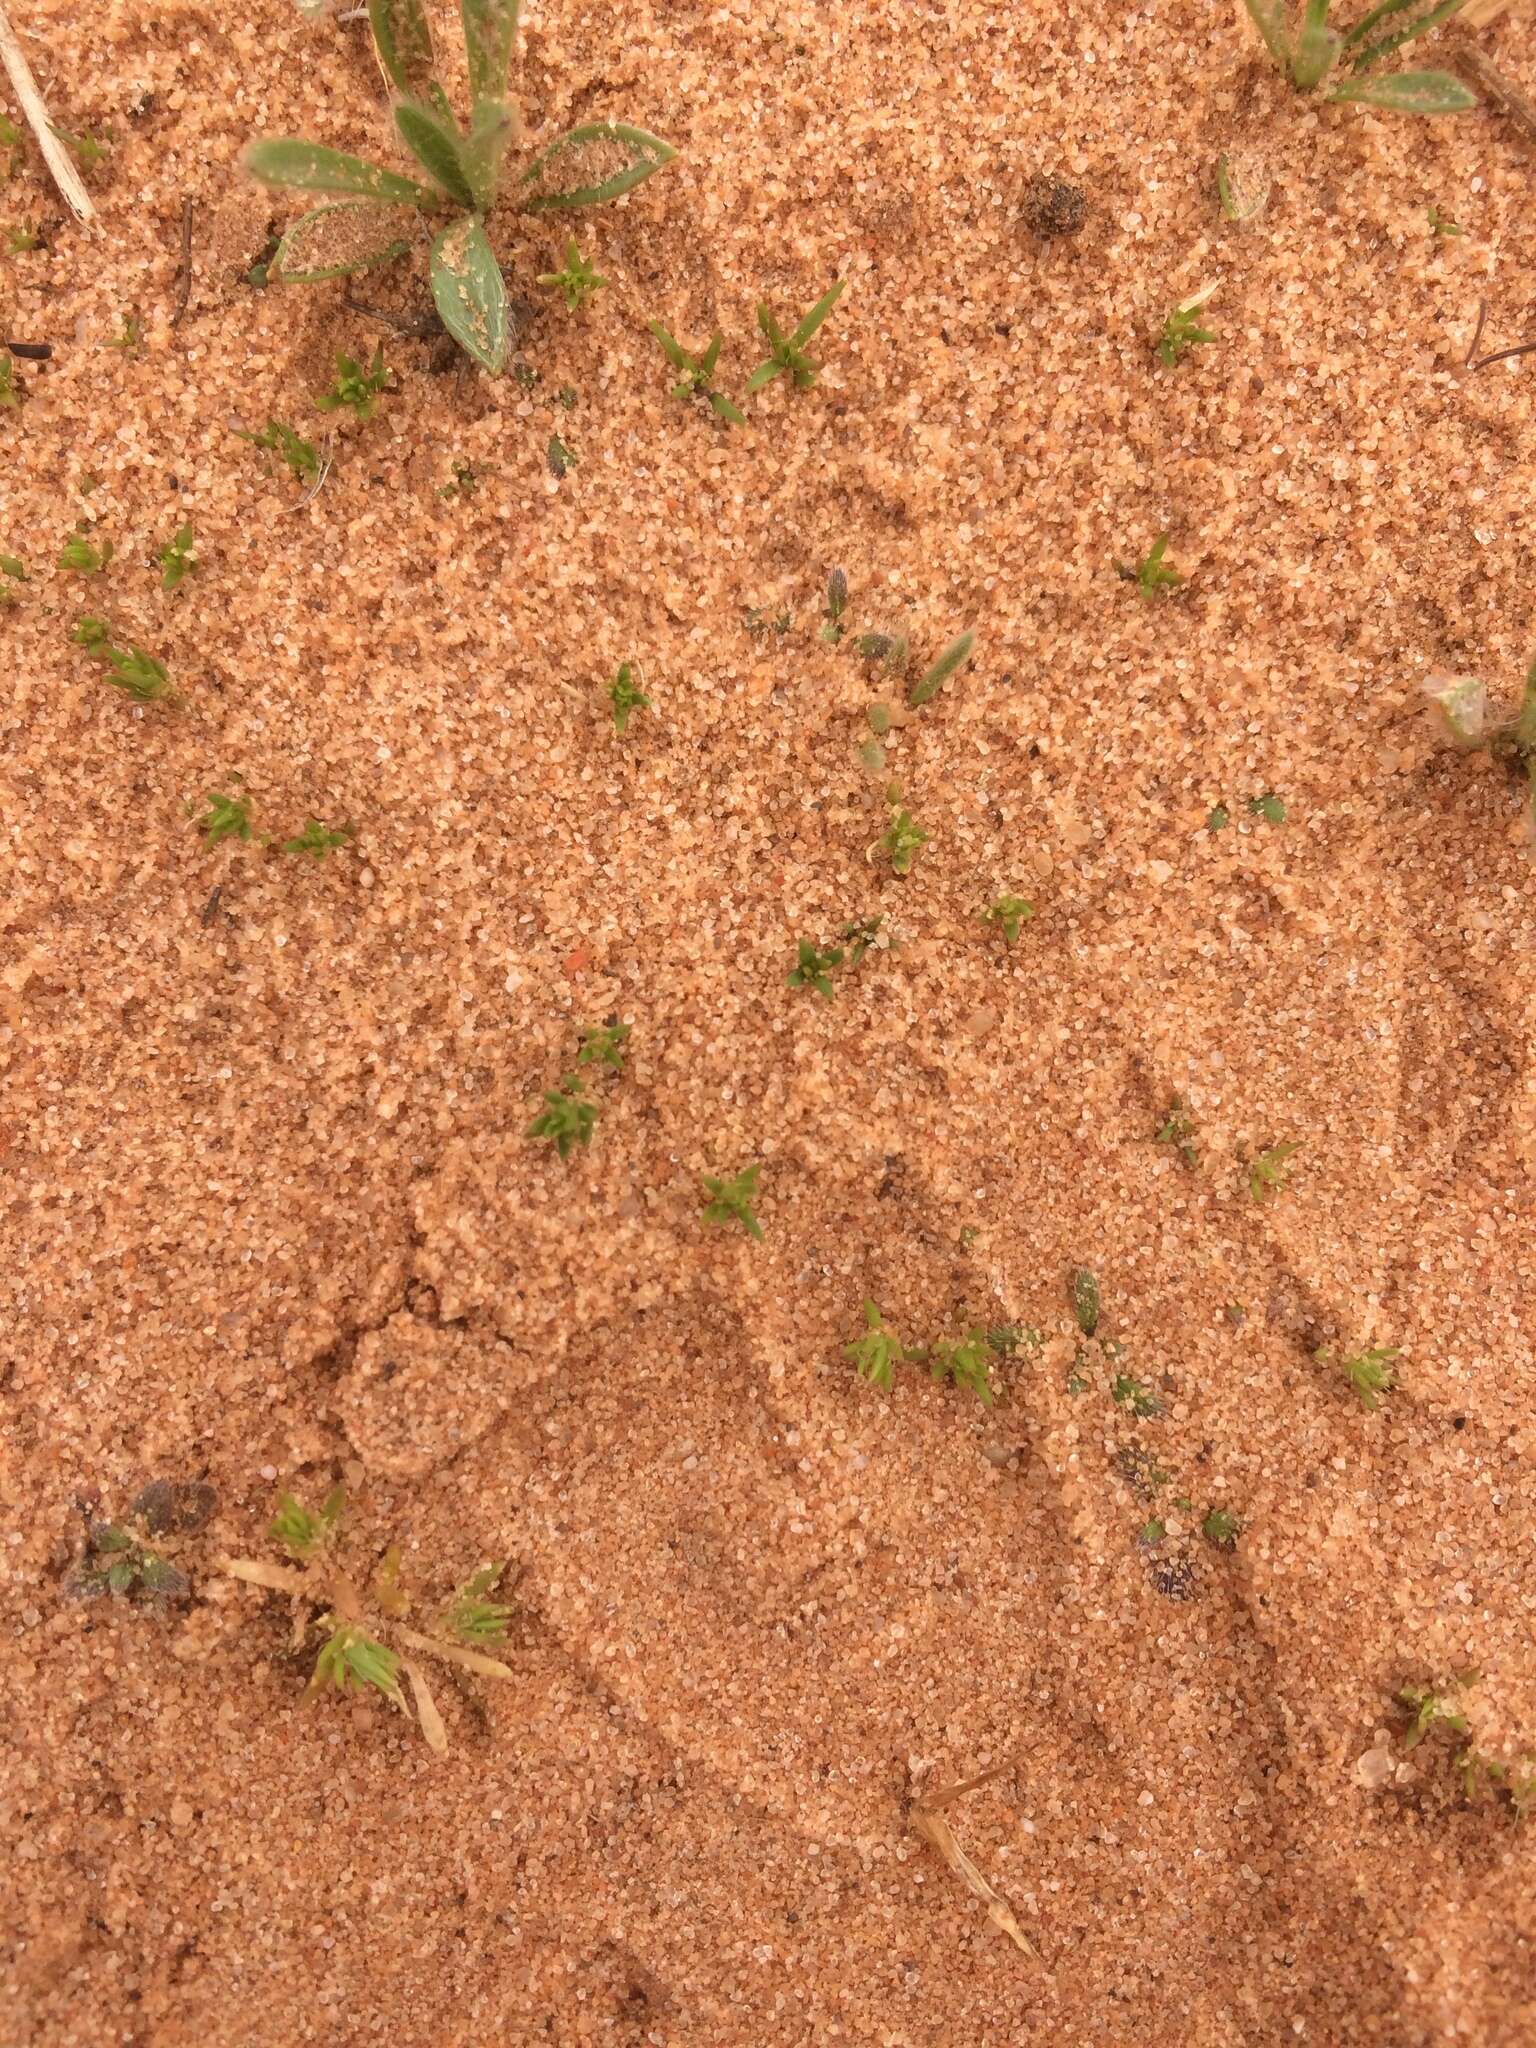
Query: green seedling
1442	224
1151	1533
14	570
366	1640
524	375
1182	330
93	634
378	208
11	393
1267	1174
135	1555
1311	54
602	1045
1242	193
10	141
1012	913
891	649
1151	574
176	558
567	1118
1127	1392
1220	1528
561	458
1434	1707
878	1352
696	377
135	672
1083	1289
1268	807
624	696
1177	1129
859	936
967	1362
787	353
731	1200
760	620
227	817
578	281
78	554
813	968
19	240
354	387
465	477
301	457
88	150
1371	1373
1461	712
129	339
1218	818
901	842
836	605
929	684
316	840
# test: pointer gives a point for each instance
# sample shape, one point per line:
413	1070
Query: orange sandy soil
272	1219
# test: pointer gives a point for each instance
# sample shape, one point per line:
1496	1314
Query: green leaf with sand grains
335	241
311	167
592	164
438	147
929	685
494	126
490	31
403	39
1268	18
1409	92
469	293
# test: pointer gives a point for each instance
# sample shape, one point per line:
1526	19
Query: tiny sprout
1268	807
878	1352
901	842
603	1045
1220	1528
567	1118
89	149
811	968
1182	329
1309	56
929	684
1442	224
1177	1129
562	458
471	1616
1150	1534
227	817
317	840
14	567
176	558
351	1660
1012	913
1242	197
1432	1707
1151	574
130	337
1127	1392
524	375
566	397
837	604
78	554
92	633
465	476
356	388
138	674
731	1200
301	457
697	374
304	1535
890	648
1267	1174
1217	818
1083	1287
859	936
786	353
18	241
967	1364
760	620
11	393
1372	1374
625	695
578	280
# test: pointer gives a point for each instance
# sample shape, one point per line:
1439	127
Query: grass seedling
760	620
859	936
1267	1174
567	1118
134	672
1177	1129
696	377
1310	53
578	281
176	558
227	817
14	570
11	393
1220	1528
562	458
602	1045
93	634
929	684
901	842
1442	224
1083	1290
316	840
366	1640
878	1352
836	605
1012	913
1151	574
1433	1707
1371	1374
301	457
891	649
786	353
1128	1392
88	150
967	1362
20	240
625	695
120	1557
1217	818
731	1200
588	165
127	342
813	967
1268	807
1151	1533
354	387
1182	330
78	554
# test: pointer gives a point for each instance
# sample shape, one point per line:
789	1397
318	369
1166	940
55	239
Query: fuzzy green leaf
1316	47
438	147
493	127
1269	19
929	685
469	293
334	241
592	164
490	31
310	167
1372	53
1409	92
403	39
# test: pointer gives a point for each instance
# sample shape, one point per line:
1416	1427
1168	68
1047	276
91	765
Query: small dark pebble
1052	207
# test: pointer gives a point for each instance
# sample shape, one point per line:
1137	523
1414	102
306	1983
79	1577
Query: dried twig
55	156
1499	355
1480	68
29	351
936	1831
184	272
419	326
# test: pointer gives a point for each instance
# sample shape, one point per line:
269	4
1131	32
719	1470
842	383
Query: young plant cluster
1441	1706
137	1554
787	357
569	1115
228	816
814	964
965	1361
1345	64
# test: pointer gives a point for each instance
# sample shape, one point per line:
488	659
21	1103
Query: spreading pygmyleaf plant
373	212
1308	51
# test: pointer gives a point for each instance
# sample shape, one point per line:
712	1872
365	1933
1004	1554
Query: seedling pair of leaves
1461	711
625	695
1152	573
229	817
356	387
377	210
367	1641
814	964
133	671
1182	330
569	1115
966	1360
1311	53
132	1556
733	1199
787	357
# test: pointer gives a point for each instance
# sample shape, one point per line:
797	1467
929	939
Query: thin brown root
936	1831
55	156
1479	67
